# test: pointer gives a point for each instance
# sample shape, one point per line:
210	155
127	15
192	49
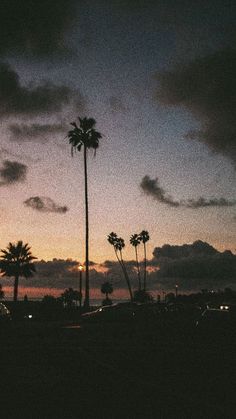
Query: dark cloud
18	99
151	187
12	172
45	204
206	87
212	202
35	27
31	132
194	266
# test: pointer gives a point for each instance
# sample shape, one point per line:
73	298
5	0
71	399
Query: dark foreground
127	370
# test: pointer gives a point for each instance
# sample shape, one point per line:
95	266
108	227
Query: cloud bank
45	204
192	266
152	188
195	265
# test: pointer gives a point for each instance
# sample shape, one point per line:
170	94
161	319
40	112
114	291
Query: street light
81	268
176	291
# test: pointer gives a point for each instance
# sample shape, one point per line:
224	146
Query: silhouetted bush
141	296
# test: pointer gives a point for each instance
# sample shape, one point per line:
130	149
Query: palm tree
144	237
118	244
17	261
85	136
107	288
135	241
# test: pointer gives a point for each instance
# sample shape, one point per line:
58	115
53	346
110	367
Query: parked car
113	312
217	321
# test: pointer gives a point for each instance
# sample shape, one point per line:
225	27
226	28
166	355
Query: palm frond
84	135
17	260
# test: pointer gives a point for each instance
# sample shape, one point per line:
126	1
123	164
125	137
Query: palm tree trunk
145	268
16	287
126	277
86	299
139	279
121	262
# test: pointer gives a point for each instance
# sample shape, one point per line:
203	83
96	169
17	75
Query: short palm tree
135	241
17	261
107	288
85	136
118	244
144	237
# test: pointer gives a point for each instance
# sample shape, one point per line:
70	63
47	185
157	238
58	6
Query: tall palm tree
144	237
85	136
118	244
17	261
135	241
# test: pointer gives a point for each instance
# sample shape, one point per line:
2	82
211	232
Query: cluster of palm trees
17	259
118	244
135	240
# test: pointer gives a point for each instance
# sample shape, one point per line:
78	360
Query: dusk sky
159	78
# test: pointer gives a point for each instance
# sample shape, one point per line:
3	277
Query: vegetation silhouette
135	241
2	294
118	244
142	296
70	297
144	238
16	261
107	288
85	136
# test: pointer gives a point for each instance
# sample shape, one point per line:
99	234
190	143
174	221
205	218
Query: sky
159	78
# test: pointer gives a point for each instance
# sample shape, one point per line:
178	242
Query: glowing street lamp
81	268
176	291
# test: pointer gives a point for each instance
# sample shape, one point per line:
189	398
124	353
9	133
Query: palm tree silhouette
107	288
85	136
135	241
16	261
118	243
144	237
